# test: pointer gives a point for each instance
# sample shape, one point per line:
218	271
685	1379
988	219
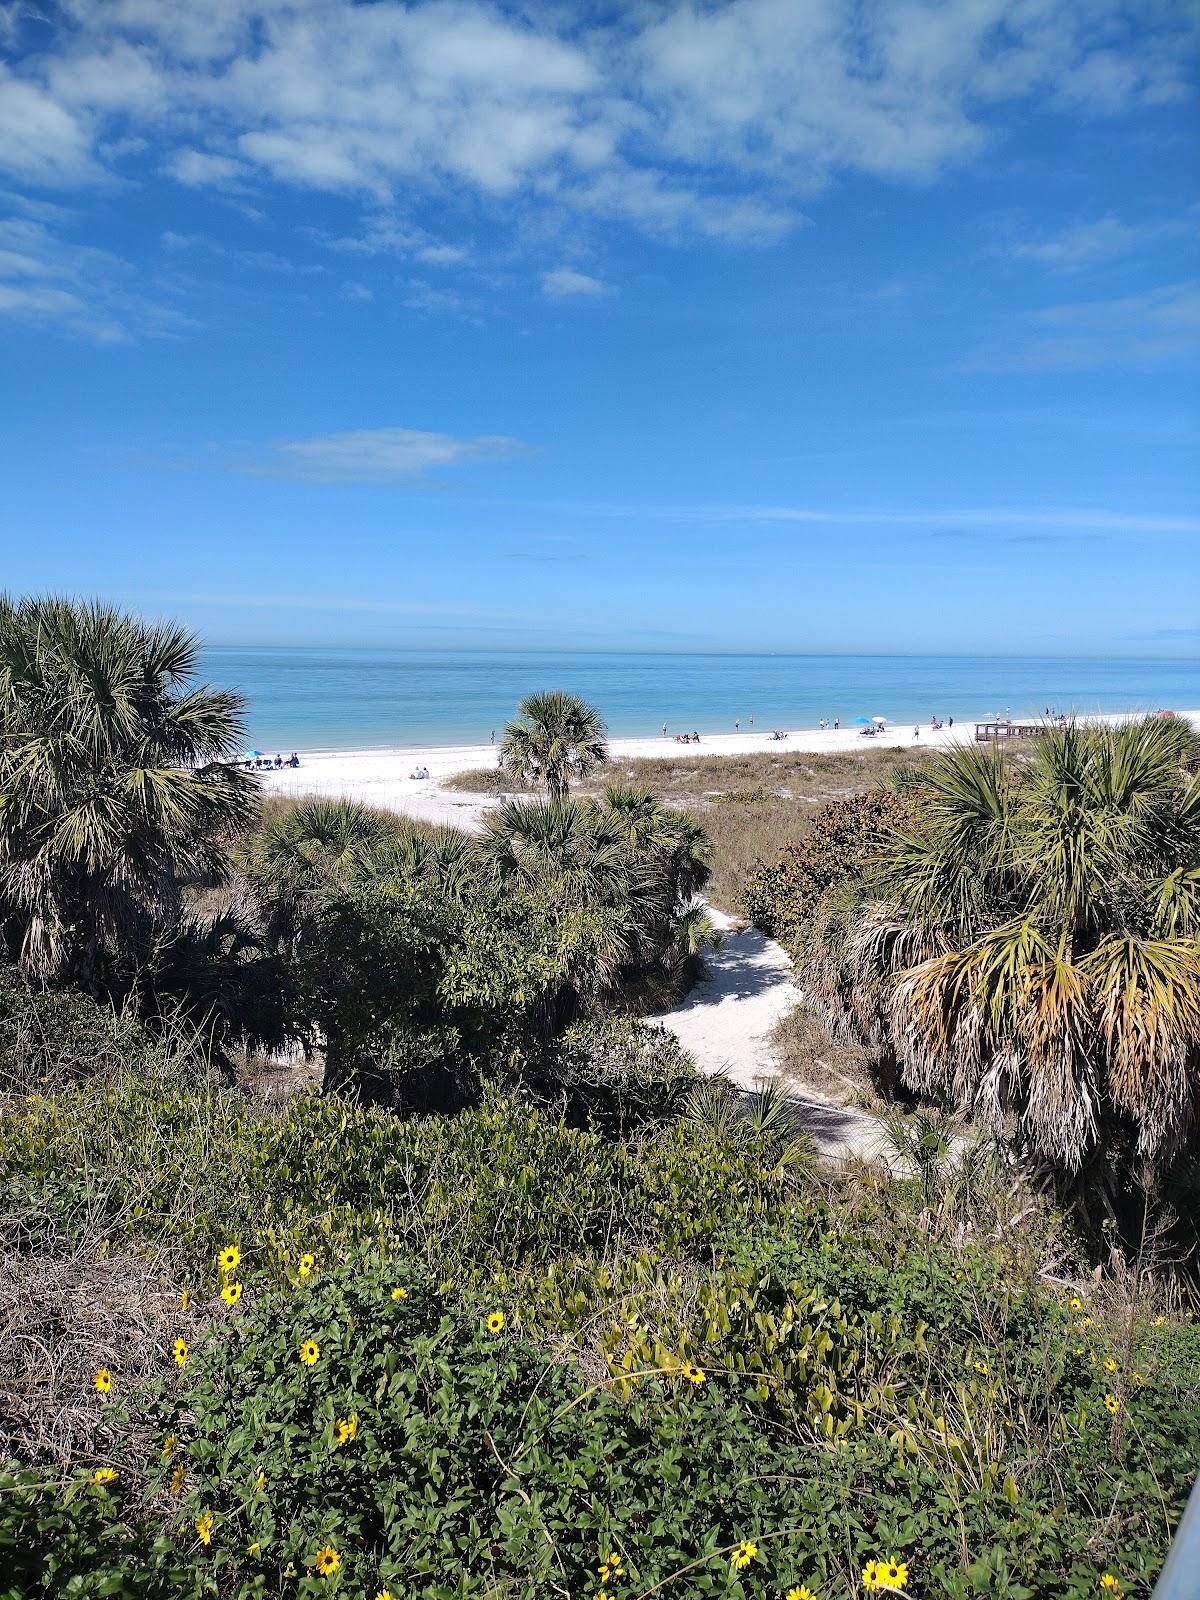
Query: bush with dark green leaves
618	1074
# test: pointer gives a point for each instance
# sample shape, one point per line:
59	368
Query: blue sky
764	324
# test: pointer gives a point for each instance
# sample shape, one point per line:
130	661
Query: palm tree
1034	950
554	737
115	780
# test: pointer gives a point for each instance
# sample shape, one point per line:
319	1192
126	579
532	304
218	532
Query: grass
751	806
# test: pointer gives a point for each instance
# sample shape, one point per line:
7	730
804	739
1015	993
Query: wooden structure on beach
1006	728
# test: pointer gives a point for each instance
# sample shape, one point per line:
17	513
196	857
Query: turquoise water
348	699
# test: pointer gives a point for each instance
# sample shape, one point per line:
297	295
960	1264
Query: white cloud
562	281
382	455
1147	330
200	167
358	292
674	117
1083	244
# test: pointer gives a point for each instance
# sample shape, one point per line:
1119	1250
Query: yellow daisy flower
981	1367
310	1352
1137	1380
347	1428
693	1375
1111	1401
307	1264
743	1554
327	1561
260	1480
103	1381
1075	1303
399	1294
1109	1582
185	1299
179	1352
105	1475
495	1322
383	1594
177	1478
884	1574
1110	1365
800	1592
204	1527
231	1293
253	1548
229	1258
169	1443
1159	1322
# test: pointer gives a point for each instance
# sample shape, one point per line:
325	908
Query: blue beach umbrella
251	755
866	721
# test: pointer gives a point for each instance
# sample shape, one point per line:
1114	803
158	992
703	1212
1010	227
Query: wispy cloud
562	282
709	119
381	455
1084	244
1146	330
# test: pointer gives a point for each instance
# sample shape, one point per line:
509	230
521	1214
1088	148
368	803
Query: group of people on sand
685	738
265	764
419	772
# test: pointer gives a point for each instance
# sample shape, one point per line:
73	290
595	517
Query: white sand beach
384	777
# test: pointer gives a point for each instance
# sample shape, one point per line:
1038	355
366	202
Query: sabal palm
112	782
555	738
1036	949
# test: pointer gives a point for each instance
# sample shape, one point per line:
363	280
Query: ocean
333	699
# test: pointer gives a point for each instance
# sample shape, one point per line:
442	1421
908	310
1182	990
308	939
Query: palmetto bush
1031	949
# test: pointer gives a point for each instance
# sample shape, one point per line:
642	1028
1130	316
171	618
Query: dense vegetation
514	1306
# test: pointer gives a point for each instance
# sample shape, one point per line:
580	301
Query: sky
779	325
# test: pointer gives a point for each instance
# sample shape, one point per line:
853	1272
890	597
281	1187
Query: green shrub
53	1037
619	1074
842	842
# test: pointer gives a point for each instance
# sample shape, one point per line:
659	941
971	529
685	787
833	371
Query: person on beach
295	760
736	726
837	722
916	731
664	730
493	738
949	722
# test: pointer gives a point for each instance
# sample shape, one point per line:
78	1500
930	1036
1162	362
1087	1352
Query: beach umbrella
251	755
879	720
866	721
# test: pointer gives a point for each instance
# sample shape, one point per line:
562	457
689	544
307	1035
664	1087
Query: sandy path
725	1025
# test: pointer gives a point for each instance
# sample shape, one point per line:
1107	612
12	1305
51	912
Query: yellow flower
744	1554
310	1352
1075	1303
602	1595
495	1321
231	1293
610	1567
1085	1322
1109	1582
169	1444
229	1258
399	1294
253	1548
105	1475
886	1574
347	1428
800	1592
307	1263
185	1299
1137	1380
327	1561
1110	1365
103	1381
383	1594
693	1375
177	1478
981	1367
179	1351
260	1480
1159	1322
1111	1401
204	1527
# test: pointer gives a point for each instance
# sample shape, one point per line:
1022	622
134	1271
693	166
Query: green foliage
51	1038
113	785
619	1074
554	738
844	840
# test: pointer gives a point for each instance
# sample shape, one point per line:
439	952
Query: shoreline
384	777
